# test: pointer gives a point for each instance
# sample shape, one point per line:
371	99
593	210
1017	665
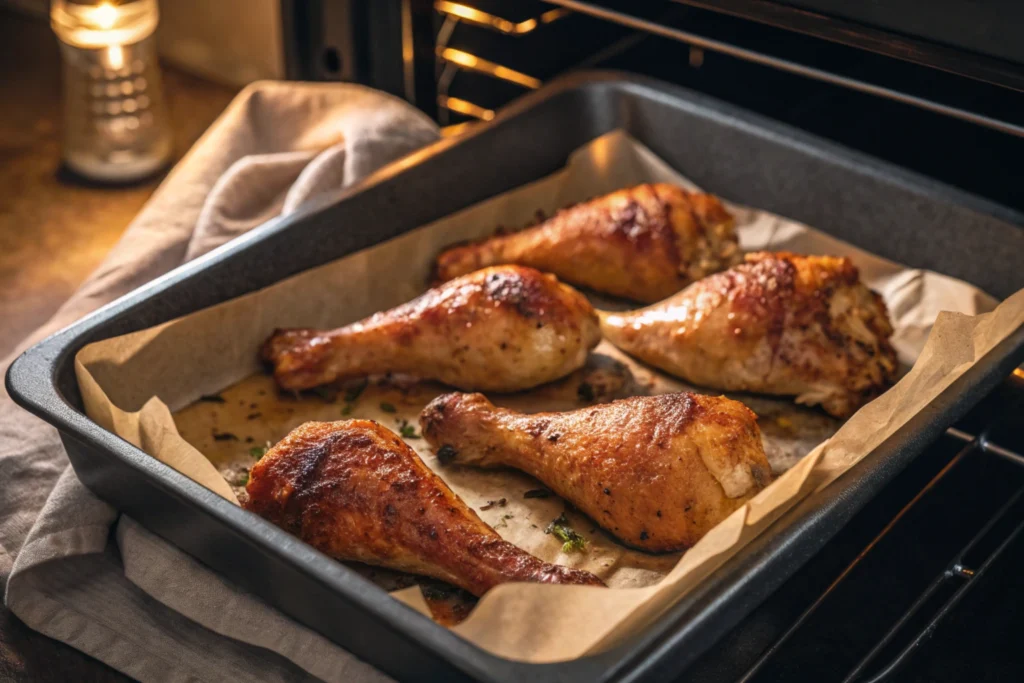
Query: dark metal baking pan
739	155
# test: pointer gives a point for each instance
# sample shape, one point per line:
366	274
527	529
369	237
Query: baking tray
742	156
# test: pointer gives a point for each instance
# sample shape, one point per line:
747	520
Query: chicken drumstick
505	328
356	491
780	323
643	243
657	472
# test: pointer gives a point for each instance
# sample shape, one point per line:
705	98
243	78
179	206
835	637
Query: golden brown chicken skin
657	472
505	328
356	491
643	243
779	323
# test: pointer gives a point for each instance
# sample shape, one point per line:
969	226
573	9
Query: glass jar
115	118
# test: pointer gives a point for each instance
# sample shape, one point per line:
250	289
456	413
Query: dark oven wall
461	61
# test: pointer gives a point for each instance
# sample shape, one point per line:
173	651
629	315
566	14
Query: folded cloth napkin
76	570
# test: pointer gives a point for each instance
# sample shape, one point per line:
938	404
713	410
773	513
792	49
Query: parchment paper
131	385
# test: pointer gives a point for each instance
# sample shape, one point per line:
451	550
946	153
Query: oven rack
887	656
483	60
898	79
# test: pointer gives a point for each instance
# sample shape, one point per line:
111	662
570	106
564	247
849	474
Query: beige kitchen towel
73	568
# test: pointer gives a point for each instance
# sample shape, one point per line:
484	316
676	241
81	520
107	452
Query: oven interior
917	586
933	107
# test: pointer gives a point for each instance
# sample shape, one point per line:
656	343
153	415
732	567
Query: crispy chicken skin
356	491
642	243
657	472
779	323
505	328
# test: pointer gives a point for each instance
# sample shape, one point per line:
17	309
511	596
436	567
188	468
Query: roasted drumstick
657	472
779	323
356	491
505	328
643	243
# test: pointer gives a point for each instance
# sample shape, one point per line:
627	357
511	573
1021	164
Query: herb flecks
500	503
353	393
259	451
446	454
407	430
503	523
347	409
388	407
572	542
224	436
327	392
537	493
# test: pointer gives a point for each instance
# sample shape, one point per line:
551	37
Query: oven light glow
474	63
465	107
461	12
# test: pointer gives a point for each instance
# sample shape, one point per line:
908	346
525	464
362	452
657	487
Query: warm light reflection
474	16
465	107
474	63
105	23
115	57
103	15
456	129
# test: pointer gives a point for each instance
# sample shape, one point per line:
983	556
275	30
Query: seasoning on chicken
642	243
780	323
505	328
657	472
356	491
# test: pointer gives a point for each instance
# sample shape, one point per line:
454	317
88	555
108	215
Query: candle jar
115	119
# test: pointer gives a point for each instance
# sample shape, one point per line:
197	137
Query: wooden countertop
54	230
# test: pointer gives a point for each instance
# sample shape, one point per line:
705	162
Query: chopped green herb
259	451
571	541
326	392
388	408
242	479
585	392
500	503
347	410
537	493
212	398
352	393
504	521
407	430
446	454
